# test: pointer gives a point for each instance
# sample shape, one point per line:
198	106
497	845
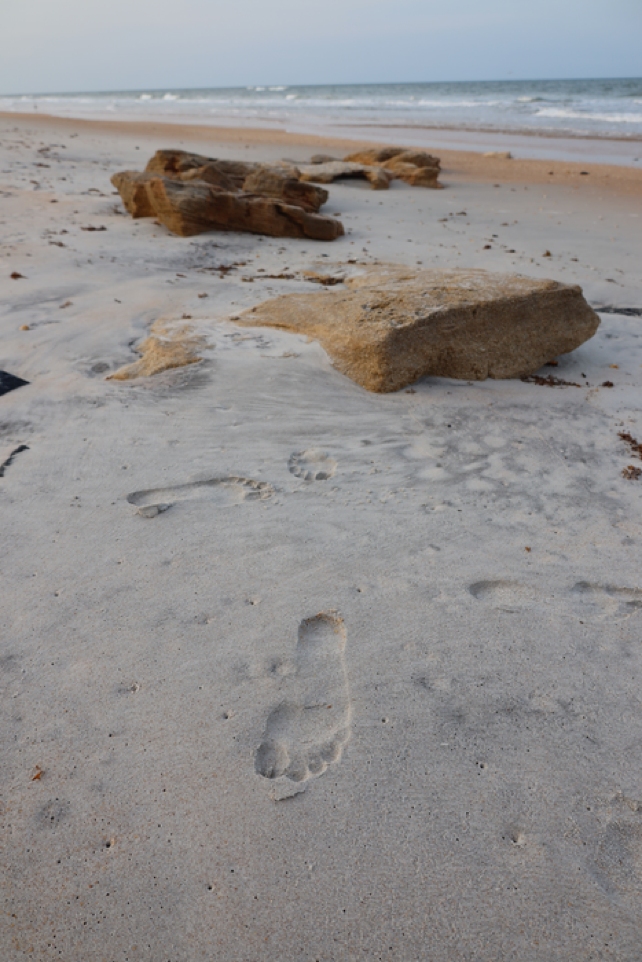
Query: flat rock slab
9	382
388	328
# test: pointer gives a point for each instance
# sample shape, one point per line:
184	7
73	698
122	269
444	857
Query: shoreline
501	132
459	165
483	131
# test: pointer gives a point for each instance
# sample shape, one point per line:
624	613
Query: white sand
481	787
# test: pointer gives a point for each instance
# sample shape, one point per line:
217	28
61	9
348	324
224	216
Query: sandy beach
451	573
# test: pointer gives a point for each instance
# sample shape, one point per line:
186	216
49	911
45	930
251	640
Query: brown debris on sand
190	193
632	473
635	445
393	326
548	381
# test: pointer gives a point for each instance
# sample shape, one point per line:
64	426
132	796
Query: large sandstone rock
279	182
390	327
195	207
339	169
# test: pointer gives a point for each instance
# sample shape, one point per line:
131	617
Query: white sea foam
615	118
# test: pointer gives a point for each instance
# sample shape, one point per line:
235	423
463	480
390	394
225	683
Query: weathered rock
419	158
278	182
415	176
175	163
374	156
195	207
132	187
339	169
238	170
415	167
167	347
394	326
211	174
322	159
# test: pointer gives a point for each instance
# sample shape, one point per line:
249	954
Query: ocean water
610	109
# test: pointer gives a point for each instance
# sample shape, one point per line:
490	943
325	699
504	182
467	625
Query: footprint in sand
607	600
618	854
221	492
505	595
308	730
312	465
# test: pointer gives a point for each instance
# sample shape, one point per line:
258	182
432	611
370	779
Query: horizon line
272	86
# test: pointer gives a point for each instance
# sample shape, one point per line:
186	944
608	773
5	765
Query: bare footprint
505	595
618	859
222	492
308	730
608	600
312	465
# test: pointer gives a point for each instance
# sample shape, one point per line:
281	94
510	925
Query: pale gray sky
78	45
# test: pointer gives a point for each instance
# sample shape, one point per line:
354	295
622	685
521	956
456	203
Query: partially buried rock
340	170
168	346
192	208
396	325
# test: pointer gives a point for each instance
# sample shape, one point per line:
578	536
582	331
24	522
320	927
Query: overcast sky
82	45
